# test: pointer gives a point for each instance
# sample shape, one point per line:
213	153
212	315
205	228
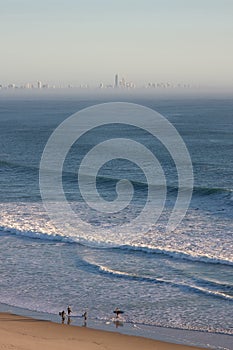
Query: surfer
117	312
69	310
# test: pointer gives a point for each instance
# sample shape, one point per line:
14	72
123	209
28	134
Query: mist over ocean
182	280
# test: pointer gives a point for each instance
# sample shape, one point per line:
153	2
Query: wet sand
23	333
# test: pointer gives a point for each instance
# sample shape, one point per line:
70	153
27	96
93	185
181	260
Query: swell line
108	180
93	267
17	165
176	254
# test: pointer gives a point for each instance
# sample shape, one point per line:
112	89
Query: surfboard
118	312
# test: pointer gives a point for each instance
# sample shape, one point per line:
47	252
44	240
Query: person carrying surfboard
117	311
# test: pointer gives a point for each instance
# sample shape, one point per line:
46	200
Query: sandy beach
23	333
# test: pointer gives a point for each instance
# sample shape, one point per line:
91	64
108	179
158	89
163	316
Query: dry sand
22	333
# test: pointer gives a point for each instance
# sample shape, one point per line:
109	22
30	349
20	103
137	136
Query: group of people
117	311
69	311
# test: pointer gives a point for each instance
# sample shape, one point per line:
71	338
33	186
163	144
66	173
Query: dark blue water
183	279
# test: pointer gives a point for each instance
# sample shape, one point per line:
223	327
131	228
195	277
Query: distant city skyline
118	82
87	42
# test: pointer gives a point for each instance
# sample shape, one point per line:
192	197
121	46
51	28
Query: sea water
182	279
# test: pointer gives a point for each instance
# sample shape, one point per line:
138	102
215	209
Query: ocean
181	279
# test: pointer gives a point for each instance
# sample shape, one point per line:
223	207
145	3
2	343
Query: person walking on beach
63	316
117	312
85	319
69	311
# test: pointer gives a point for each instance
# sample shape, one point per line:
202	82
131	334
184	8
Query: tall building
123	83
39	85
116	81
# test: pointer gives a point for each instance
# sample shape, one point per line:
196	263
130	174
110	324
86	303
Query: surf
79	240
192	285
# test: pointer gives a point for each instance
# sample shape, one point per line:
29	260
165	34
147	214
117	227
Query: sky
89	41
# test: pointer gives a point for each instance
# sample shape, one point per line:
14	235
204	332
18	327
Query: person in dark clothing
118	312
69	310
85	319
63	316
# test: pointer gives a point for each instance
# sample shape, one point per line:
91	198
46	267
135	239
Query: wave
141	185
110	181
19	167
178	255
93	267
37	235
208	191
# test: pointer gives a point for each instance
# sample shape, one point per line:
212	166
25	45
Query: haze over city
87	42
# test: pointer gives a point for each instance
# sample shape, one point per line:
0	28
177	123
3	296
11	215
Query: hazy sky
88	41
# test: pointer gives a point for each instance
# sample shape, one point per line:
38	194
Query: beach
173	286
18	332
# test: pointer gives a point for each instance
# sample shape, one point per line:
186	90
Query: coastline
20	332
157	337
193	304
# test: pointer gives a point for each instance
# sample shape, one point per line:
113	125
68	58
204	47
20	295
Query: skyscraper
116	81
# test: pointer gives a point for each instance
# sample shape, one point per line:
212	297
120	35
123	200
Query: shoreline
186	339
20	332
